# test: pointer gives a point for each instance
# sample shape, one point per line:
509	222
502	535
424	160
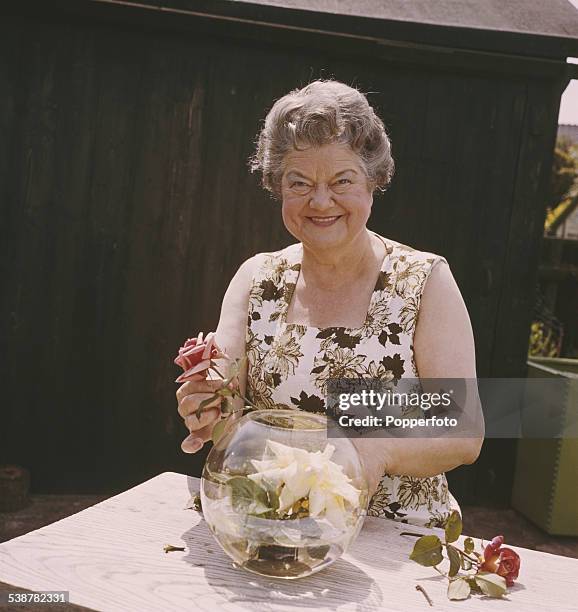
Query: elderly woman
343	301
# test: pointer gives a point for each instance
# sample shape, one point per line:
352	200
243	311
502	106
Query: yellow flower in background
294	474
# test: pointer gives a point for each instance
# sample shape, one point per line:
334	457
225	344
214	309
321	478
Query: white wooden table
111	557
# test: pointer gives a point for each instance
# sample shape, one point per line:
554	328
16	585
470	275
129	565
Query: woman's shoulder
287	252
398	251
409	269
275	262
399	255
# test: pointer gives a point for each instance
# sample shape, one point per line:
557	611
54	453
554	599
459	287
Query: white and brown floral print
289	365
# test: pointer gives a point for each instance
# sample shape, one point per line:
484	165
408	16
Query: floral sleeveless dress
290	364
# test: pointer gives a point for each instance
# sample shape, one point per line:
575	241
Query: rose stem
464	554
214	368
419	588
439	571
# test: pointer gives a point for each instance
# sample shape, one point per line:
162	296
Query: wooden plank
11	123
29	181
160	244
526	228
110	557
512	323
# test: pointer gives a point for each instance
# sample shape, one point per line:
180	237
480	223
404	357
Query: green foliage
204	404
564	171
427	551
453	527
455	560
247	496
218	430
491	584
273	500
545	340
459	588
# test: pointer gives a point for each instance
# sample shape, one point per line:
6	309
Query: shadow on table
342	583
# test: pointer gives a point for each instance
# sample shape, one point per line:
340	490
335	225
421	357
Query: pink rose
502	561
195	356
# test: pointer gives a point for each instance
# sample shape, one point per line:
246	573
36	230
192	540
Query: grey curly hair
323	112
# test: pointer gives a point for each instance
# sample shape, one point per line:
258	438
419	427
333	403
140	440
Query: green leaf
218	430
227	406
458	588
455	559
490	584
247	496
427	551
453	527
204	404
273	499
469	546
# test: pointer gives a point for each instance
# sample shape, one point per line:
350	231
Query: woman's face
326	195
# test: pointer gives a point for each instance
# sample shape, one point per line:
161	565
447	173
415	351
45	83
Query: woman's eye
344	181
298	184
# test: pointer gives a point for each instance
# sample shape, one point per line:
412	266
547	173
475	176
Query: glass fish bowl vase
281	498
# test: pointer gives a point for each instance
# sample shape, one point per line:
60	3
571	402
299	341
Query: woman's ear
371	186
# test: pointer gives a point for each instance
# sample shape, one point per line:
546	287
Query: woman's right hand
230	335
189	396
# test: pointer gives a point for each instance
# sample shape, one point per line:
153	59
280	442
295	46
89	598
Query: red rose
196	354
502	561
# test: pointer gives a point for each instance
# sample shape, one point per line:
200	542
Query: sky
569	102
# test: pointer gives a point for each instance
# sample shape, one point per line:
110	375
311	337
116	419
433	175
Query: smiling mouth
324	221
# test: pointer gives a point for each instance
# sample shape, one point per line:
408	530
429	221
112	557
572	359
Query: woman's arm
230	337
230	334
443	348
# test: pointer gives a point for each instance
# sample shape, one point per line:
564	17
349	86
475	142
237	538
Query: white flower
295	473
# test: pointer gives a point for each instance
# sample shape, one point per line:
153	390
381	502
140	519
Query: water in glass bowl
242	507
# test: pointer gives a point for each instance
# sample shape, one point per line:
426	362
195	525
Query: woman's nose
321	198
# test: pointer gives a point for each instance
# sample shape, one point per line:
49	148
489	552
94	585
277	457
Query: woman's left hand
375	459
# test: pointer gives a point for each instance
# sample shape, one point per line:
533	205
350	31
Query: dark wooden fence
127	206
